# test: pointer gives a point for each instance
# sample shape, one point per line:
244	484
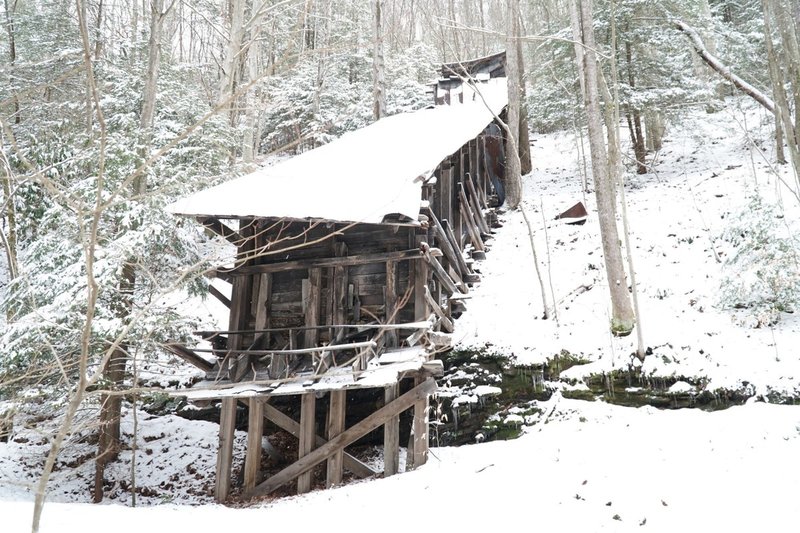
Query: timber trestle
324	310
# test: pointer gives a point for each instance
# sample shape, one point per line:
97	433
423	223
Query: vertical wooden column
336	417
446	188
227	427
420	429
421	310
255	433
391	434
390	303
308	437
311	306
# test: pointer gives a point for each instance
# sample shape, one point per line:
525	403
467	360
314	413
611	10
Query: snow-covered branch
723	70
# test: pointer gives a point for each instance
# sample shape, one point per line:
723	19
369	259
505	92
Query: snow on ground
592	467
705	170
584	465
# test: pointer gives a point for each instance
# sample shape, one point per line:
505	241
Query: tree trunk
233	48
526	165
634	119
513	176
378	67
622	318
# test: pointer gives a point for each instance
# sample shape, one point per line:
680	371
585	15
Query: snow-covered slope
706	169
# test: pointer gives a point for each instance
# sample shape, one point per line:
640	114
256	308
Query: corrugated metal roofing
363	176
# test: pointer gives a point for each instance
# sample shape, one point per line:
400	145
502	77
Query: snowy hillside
707	169
579	465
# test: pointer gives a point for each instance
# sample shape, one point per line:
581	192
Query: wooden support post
446	193
390	303
255	433
308	434
311	307
466	221
287	424
446	322
391	434
469	219
444	243
219	296
370	423
443	276
465	268
336	417
476	206
420	428
421	311
227	427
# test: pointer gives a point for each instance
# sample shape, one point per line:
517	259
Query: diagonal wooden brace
349	436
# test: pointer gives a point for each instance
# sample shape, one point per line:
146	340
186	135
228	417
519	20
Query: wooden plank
443	276
292	427
221	229
300	351
468	220
391	434
307	437
189	356
213	291
484	226
447	324
335	426
311	307
443	242
390	303
420	428
474	213
370	423
420	281
446	194
322	262
227	426
255	433
465	268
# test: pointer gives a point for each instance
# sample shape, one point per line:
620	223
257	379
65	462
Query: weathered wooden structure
450	87
350	259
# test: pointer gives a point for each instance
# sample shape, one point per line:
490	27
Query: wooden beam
292	427
447	323
370	423
484	226
391	434
443	242
446	194
227	427
213	291
466	220
335	426
311	307
474	214
390	303
420	428
322	262
307	439
189	356
299	351
255	433
443	276
420	281
221	229
465	268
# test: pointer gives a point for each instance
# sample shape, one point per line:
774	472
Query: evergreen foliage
761	272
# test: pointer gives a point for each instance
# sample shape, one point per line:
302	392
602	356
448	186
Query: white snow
581	466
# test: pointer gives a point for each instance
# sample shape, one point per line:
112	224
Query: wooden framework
322	307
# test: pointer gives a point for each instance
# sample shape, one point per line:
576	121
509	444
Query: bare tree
513	166
622	317
378	67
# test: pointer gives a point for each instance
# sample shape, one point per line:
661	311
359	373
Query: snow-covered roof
360	177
